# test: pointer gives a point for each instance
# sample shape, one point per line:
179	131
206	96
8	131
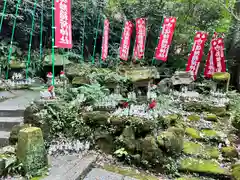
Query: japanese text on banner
165	38
63	24
140	38
125	42
105	40
195	56
219	57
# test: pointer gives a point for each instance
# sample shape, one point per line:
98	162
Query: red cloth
49	74
62	73
50	88
152	105
125	104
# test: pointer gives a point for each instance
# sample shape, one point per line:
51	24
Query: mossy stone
96	118
187	178
193	117
202	166
31	150
193	133
129	172
236	171
14	133
142	125
221	76
210	134
169	120
104	140
171	140
79	81
229	152
236	120
210	117
197	149
127	138
217	110
150	150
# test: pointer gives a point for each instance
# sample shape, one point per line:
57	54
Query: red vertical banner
105	40
139	47
196	54
125	41
165	38
219	57
63	24
210	62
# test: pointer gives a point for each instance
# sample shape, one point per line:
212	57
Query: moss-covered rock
171	140
170	120
195	106
197	149
150	150
236	120
236	171
104	140
193	117
31	151
217	110
210	134
96	118
14	133
210	117
127	138
193	133
80	81
229	152
187	178
129	172
142	125
202	166
221	76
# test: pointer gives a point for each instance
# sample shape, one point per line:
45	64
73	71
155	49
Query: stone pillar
30	150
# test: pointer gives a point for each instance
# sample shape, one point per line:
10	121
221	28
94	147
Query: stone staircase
11	111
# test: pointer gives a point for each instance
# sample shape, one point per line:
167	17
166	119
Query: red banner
105	40
139	47
165	38
196	54
219	55
63	24
126	39
210	62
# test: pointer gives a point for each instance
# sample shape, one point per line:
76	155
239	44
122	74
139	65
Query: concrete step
6	123
4	135
11	112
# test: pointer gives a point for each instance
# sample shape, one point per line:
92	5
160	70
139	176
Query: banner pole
11	42
83	33
53	34
153	59
102	43
119	59
3	14
95	39
41	34
30	39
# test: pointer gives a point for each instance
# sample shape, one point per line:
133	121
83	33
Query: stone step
11	112
6	123
72	168
4	135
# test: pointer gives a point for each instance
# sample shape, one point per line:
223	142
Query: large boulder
171	140
150	150
127	138
31	152
104	140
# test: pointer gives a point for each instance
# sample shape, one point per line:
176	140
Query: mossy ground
129	172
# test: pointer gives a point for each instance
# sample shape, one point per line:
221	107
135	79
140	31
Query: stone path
11	111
